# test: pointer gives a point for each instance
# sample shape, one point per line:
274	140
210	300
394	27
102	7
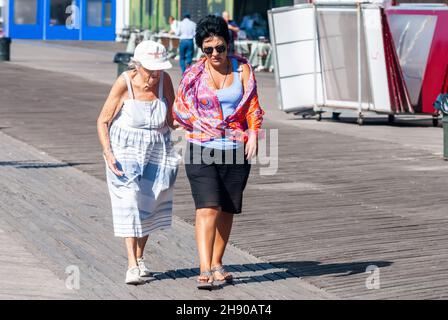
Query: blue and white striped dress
142	199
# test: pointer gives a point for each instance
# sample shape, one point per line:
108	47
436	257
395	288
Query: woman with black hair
217	104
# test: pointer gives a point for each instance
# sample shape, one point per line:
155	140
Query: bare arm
168	93
254	114
252	142
110	109
233	28
245	76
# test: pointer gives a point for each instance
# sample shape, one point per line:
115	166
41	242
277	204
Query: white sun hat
152	55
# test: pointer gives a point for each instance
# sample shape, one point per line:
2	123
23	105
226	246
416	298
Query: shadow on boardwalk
37	165
314	268
274	271
426	122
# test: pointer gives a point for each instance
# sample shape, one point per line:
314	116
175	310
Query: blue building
60	19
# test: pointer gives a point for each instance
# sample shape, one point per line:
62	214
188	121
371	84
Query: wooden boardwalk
22	275
338	203
55	219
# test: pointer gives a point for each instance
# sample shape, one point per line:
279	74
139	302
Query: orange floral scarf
197	108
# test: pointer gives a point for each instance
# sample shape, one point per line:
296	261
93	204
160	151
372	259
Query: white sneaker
133	276
144	271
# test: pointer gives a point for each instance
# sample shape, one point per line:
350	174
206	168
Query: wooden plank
337	200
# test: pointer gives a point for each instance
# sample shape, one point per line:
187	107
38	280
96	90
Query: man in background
186	32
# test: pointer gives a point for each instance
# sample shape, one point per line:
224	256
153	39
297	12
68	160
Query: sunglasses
209	50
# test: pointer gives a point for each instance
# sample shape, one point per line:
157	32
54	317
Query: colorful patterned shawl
198	110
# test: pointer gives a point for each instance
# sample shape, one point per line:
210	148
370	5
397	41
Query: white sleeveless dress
142	199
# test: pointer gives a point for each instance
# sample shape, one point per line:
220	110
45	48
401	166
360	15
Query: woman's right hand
112	163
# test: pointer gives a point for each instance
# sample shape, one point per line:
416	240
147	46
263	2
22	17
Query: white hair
134	64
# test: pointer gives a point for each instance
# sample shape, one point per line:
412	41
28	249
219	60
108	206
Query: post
45	22
157	15
5	45
6	18
445	135
314	58
81	22
141	15
359	60
441	104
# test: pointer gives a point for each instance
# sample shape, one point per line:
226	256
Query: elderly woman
141	163
217	105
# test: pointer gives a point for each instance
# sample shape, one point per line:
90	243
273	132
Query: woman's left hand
251	146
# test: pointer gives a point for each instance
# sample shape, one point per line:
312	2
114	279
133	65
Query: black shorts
219	178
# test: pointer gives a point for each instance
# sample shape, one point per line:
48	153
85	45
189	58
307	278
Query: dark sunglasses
209	50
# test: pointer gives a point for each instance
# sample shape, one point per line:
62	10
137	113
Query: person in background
186	32
233	31
174	25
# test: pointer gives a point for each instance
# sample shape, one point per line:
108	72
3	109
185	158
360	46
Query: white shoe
144	271
133	276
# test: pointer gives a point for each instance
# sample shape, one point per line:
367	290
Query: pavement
92	61
56	218
345	198
56	226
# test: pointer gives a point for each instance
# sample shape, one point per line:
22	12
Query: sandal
205	283
226	276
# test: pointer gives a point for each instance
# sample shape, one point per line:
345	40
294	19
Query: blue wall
78	25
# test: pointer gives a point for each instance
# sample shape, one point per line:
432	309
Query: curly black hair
210	26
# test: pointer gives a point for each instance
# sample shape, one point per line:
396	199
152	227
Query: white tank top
143	114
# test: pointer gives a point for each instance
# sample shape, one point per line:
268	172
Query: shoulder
120	84
130	74
244	68
195	69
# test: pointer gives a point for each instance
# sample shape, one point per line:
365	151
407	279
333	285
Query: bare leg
223	229
131	246
206	219
141	243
